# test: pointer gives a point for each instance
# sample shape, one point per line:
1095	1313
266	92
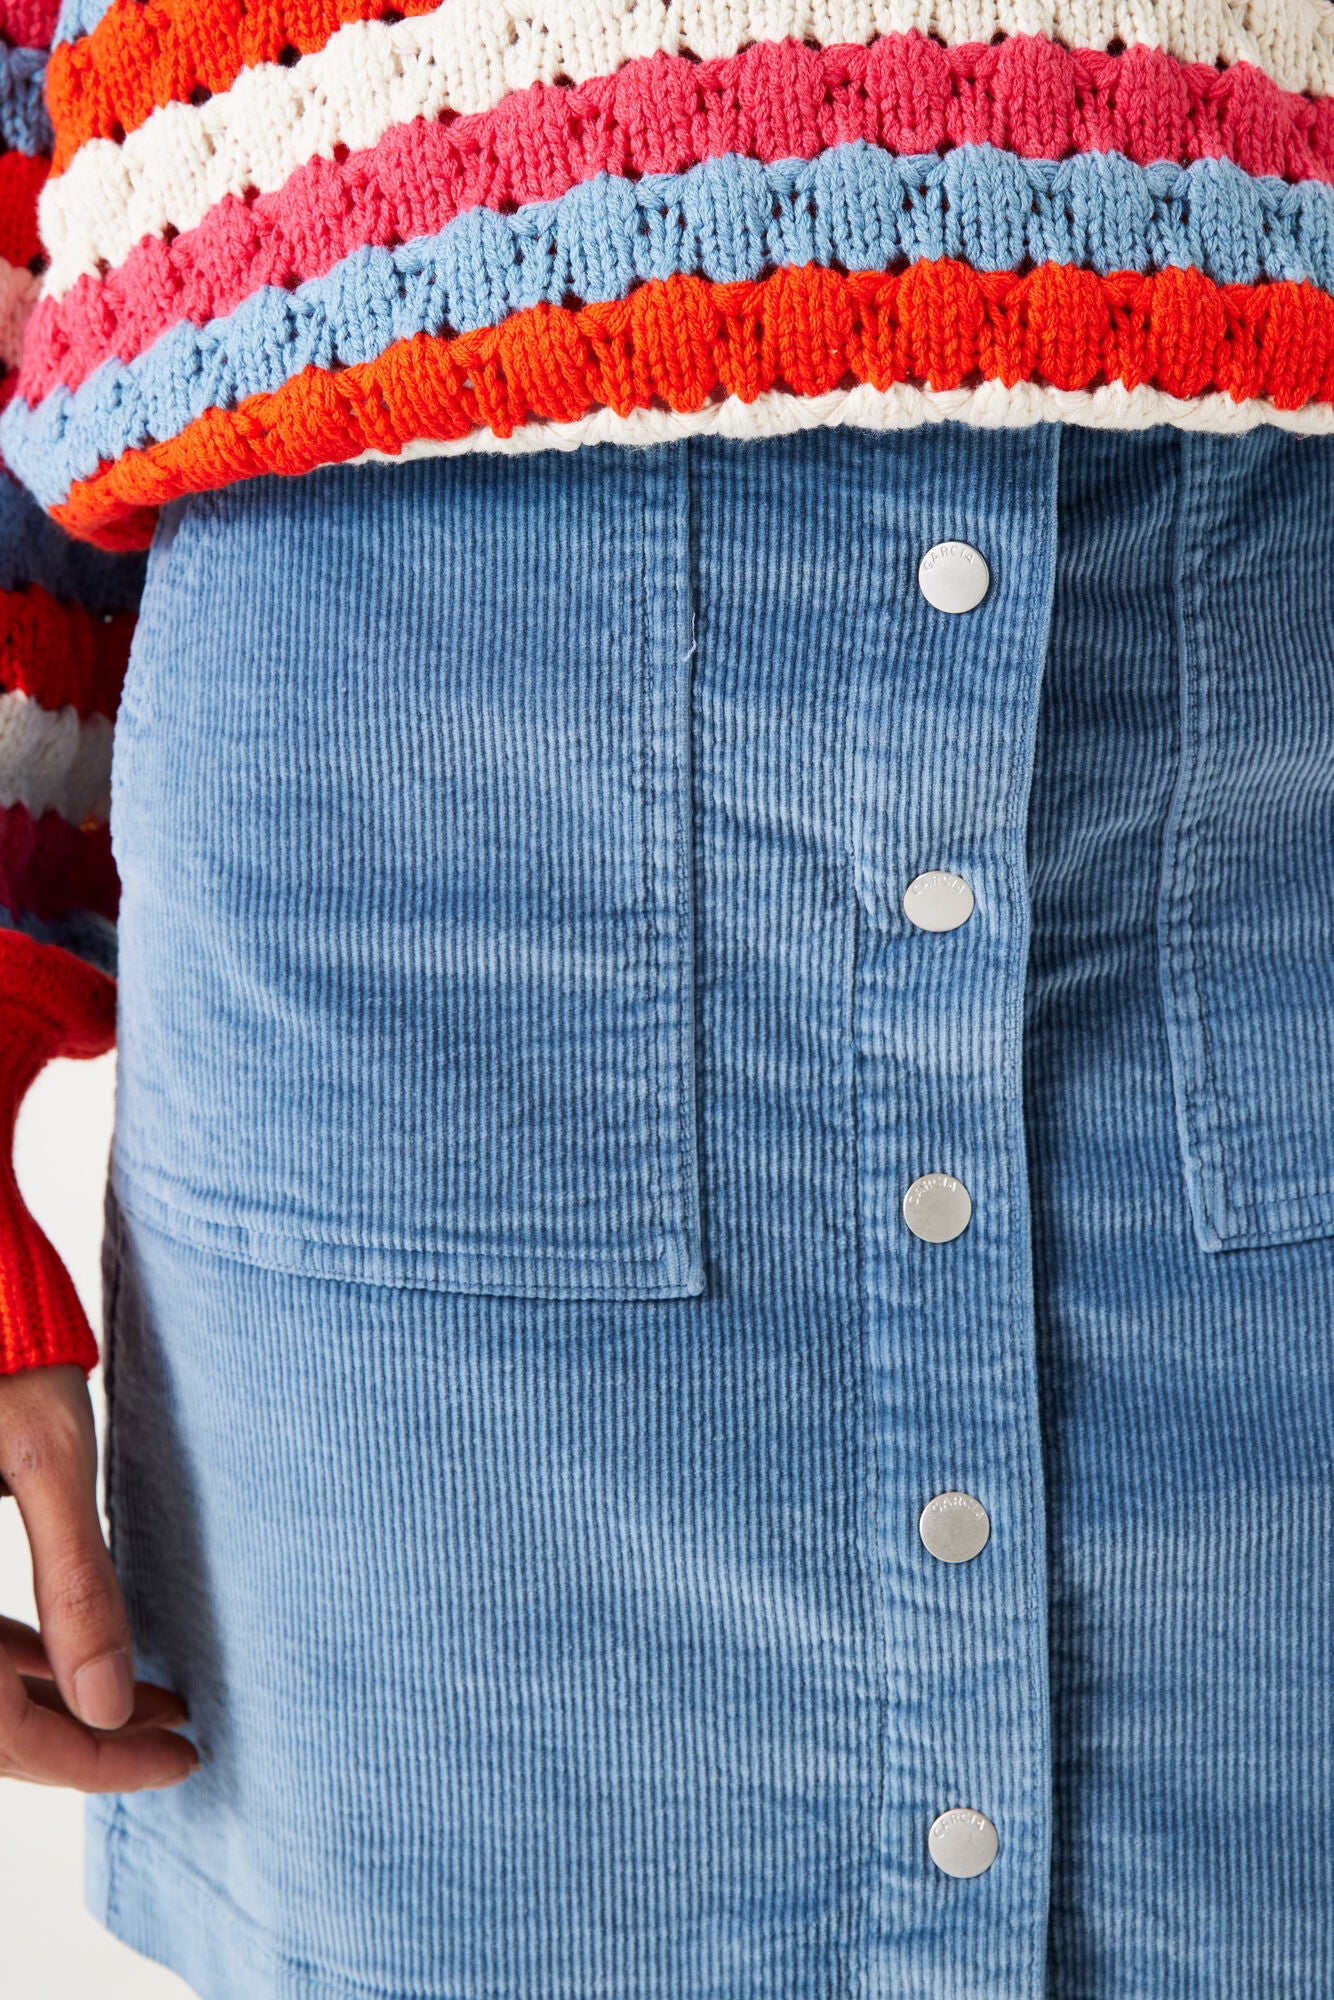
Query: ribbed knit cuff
51	1004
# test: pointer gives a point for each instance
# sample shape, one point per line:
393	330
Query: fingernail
104	1690
176	1777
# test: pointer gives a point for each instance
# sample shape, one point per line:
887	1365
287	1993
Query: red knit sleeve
51	1004
66	619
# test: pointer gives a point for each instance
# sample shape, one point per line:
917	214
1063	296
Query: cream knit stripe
470	54
989	406
18	295
54	759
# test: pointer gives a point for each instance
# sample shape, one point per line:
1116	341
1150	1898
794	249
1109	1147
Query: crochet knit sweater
249	236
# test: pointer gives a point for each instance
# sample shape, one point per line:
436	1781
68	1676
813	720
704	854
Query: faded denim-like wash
523	1385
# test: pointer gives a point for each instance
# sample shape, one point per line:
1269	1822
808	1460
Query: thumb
48	1455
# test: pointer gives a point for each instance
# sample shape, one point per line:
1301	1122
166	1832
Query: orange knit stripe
60	654
681	341
146	53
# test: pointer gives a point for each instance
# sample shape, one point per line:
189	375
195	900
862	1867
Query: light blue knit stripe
24	124
78	17
855	206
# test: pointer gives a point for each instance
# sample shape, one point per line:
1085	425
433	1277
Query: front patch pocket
1246	912
401	806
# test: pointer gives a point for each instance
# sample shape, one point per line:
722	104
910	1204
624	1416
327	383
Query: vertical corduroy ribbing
586	1647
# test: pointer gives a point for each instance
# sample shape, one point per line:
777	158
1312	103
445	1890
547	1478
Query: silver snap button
938	901
962	1842
953	576
937	1207
954	1527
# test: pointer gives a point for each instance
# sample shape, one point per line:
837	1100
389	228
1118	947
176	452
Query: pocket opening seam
1229	1209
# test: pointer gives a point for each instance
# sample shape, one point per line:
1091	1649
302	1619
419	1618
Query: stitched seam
1038	1788
683	715
1209	1107
1016	1188
144	1200
647	797
1220	1113
1177	882
875	1899
673	920
115	1834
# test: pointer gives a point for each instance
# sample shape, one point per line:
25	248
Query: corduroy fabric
571	1646
510	801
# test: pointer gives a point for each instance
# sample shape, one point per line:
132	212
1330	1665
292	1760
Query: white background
52	1949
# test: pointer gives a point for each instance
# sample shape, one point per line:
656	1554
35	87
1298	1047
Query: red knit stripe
49	867
68	1002
29	24
51	1004
21	178
682	341
61	654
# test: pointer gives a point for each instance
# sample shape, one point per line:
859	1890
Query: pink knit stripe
662	114
29	24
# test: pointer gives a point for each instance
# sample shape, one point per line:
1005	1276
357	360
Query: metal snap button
954	1527
953	576
962	1842
938	901
937	1207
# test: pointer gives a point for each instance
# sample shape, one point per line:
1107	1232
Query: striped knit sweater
247	236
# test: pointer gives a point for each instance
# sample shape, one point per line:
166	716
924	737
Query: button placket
946	739
953	577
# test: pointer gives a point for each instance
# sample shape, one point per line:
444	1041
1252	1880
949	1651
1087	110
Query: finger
24	1647
152	1702
44	1747
154	1707
84	1626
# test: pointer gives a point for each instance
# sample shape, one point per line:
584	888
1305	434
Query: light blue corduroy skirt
524	1387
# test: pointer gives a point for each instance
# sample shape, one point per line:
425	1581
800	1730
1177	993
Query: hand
71	1712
